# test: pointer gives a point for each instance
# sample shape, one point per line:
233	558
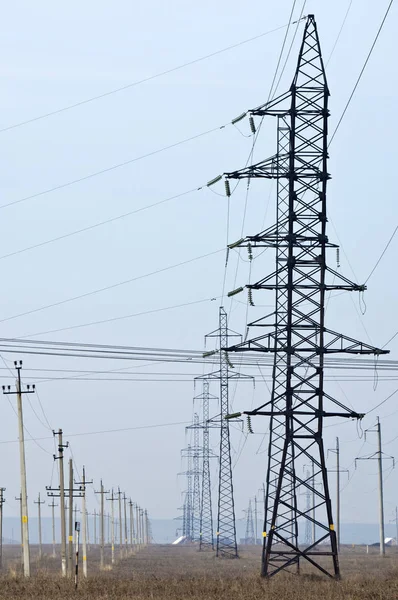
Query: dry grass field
164	572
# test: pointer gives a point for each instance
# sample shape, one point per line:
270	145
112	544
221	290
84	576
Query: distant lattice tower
250	537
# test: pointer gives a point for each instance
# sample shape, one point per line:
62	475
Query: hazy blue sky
57	54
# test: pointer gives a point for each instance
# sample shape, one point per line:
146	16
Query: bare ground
165	572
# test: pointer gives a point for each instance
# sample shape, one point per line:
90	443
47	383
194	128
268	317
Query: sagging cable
234	292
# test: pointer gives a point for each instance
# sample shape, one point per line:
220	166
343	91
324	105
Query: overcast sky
55	55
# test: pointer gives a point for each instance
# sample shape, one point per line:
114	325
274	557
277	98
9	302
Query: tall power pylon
295	332
206	539
195	454
250	537
187	523
308	538
227	546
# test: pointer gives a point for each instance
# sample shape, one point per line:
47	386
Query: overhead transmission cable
120	318
382	254
362	71
140	81
100	223
110	287
111	168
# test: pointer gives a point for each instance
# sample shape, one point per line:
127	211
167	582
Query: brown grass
182	573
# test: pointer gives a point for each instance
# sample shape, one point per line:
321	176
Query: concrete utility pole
84	525
338	470
112	499
61	495
125	522
132	532
88	531
39	503
146	528
120	522
396	525
338	491
53	505
102	525
82	488
70	537
137	520
255	520
142	526
2	500
19	499
95	527
24	491
379	457
381	497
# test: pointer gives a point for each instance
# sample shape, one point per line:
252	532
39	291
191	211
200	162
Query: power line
152	426
382	254
129	316
362	71
282	49
99	224
111	168
339	33
383	402
139	82
109	287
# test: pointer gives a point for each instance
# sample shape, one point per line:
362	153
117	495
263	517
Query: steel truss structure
250	538
227	546
206	539
194	454
187	515
295	332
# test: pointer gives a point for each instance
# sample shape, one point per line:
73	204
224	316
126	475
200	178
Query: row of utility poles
140	528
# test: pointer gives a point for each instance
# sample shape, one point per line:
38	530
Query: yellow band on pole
264	534
331	527
24	519
71	538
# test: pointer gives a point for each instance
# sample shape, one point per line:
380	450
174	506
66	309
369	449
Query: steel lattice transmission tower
196	479
250	537
226	526
295	332
206	539
308	528
187	518
193	453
